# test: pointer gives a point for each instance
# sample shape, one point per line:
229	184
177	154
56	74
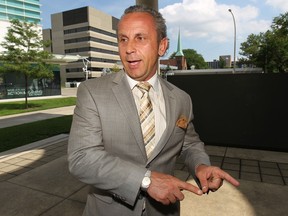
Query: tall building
28	10
89	33
24	10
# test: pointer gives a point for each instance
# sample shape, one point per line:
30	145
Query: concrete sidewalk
34	180
12	120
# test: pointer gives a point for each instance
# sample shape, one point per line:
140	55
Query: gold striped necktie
147	118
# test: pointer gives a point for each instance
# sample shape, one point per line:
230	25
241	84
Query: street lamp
234	63
85	68
151	4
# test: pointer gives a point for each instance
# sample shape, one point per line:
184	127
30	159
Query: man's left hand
211	178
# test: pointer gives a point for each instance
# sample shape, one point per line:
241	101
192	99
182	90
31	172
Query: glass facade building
26	10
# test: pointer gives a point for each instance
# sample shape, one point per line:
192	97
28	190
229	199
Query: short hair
160	22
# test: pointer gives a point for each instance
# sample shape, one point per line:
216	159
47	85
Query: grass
10	108
16	136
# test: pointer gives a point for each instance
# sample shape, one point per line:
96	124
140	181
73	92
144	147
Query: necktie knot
144	86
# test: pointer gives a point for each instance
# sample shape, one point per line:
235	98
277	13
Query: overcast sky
205	25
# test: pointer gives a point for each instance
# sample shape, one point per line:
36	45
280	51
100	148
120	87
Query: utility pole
234	62
149	3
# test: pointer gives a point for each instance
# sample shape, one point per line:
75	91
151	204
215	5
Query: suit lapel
124	96
170	106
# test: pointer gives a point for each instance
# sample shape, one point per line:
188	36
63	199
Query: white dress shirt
158	103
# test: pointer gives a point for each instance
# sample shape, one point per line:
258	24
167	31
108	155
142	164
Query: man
108	148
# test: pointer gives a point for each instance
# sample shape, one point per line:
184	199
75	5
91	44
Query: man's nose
130	47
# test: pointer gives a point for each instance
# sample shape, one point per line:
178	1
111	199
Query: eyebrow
136	35
141	34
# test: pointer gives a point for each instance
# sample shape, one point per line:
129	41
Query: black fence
239	110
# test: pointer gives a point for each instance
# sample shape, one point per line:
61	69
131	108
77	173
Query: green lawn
16	136
10	108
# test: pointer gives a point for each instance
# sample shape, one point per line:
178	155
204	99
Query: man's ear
163	46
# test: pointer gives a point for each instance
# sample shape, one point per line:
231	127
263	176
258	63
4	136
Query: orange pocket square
182	122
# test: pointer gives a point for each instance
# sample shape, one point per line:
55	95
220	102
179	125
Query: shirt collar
154	82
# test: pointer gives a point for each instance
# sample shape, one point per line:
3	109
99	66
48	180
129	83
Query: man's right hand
167	189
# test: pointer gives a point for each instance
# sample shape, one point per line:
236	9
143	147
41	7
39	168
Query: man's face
138	45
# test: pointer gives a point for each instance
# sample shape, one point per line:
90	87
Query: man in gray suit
107	144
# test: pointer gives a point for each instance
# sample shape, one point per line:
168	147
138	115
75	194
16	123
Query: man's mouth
134	63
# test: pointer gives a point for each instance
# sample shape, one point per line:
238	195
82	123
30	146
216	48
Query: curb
25	148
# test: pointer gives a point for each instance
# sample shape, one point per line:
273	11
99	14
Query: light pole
85	68
151	3
234	63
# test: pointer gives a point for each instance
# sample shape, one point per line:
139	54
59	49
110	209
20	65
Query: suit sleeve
193	151
88	160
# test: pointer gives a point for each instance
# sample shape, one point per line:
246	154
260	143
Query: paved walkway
34	180
17	119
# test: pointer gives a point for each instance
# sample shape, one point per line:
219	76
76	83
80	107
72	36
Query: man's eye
123	40
140	38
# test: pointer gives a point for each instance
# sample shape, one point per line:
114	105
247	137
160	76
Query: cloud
281	5
209	20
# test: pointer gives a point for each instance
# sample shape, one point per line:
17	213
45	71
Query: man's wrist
199	165
146	181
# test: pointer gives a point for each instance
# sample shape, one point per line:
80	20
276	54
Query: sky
205	25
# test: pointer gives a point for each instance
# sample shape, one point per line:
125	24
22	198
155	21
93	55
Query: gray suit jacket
106	148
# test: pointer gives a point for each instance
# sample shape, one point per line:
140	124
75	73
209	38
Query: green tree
193	58
24	53
268	50
222	63
115	68
250	48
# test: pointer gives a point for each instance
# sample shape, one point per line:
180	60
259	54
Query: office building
223	62
86	32
24	10
226	59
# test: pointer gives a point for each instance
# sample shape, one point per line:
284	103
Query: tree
193	58
115	68
269	50
24	53
250	48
